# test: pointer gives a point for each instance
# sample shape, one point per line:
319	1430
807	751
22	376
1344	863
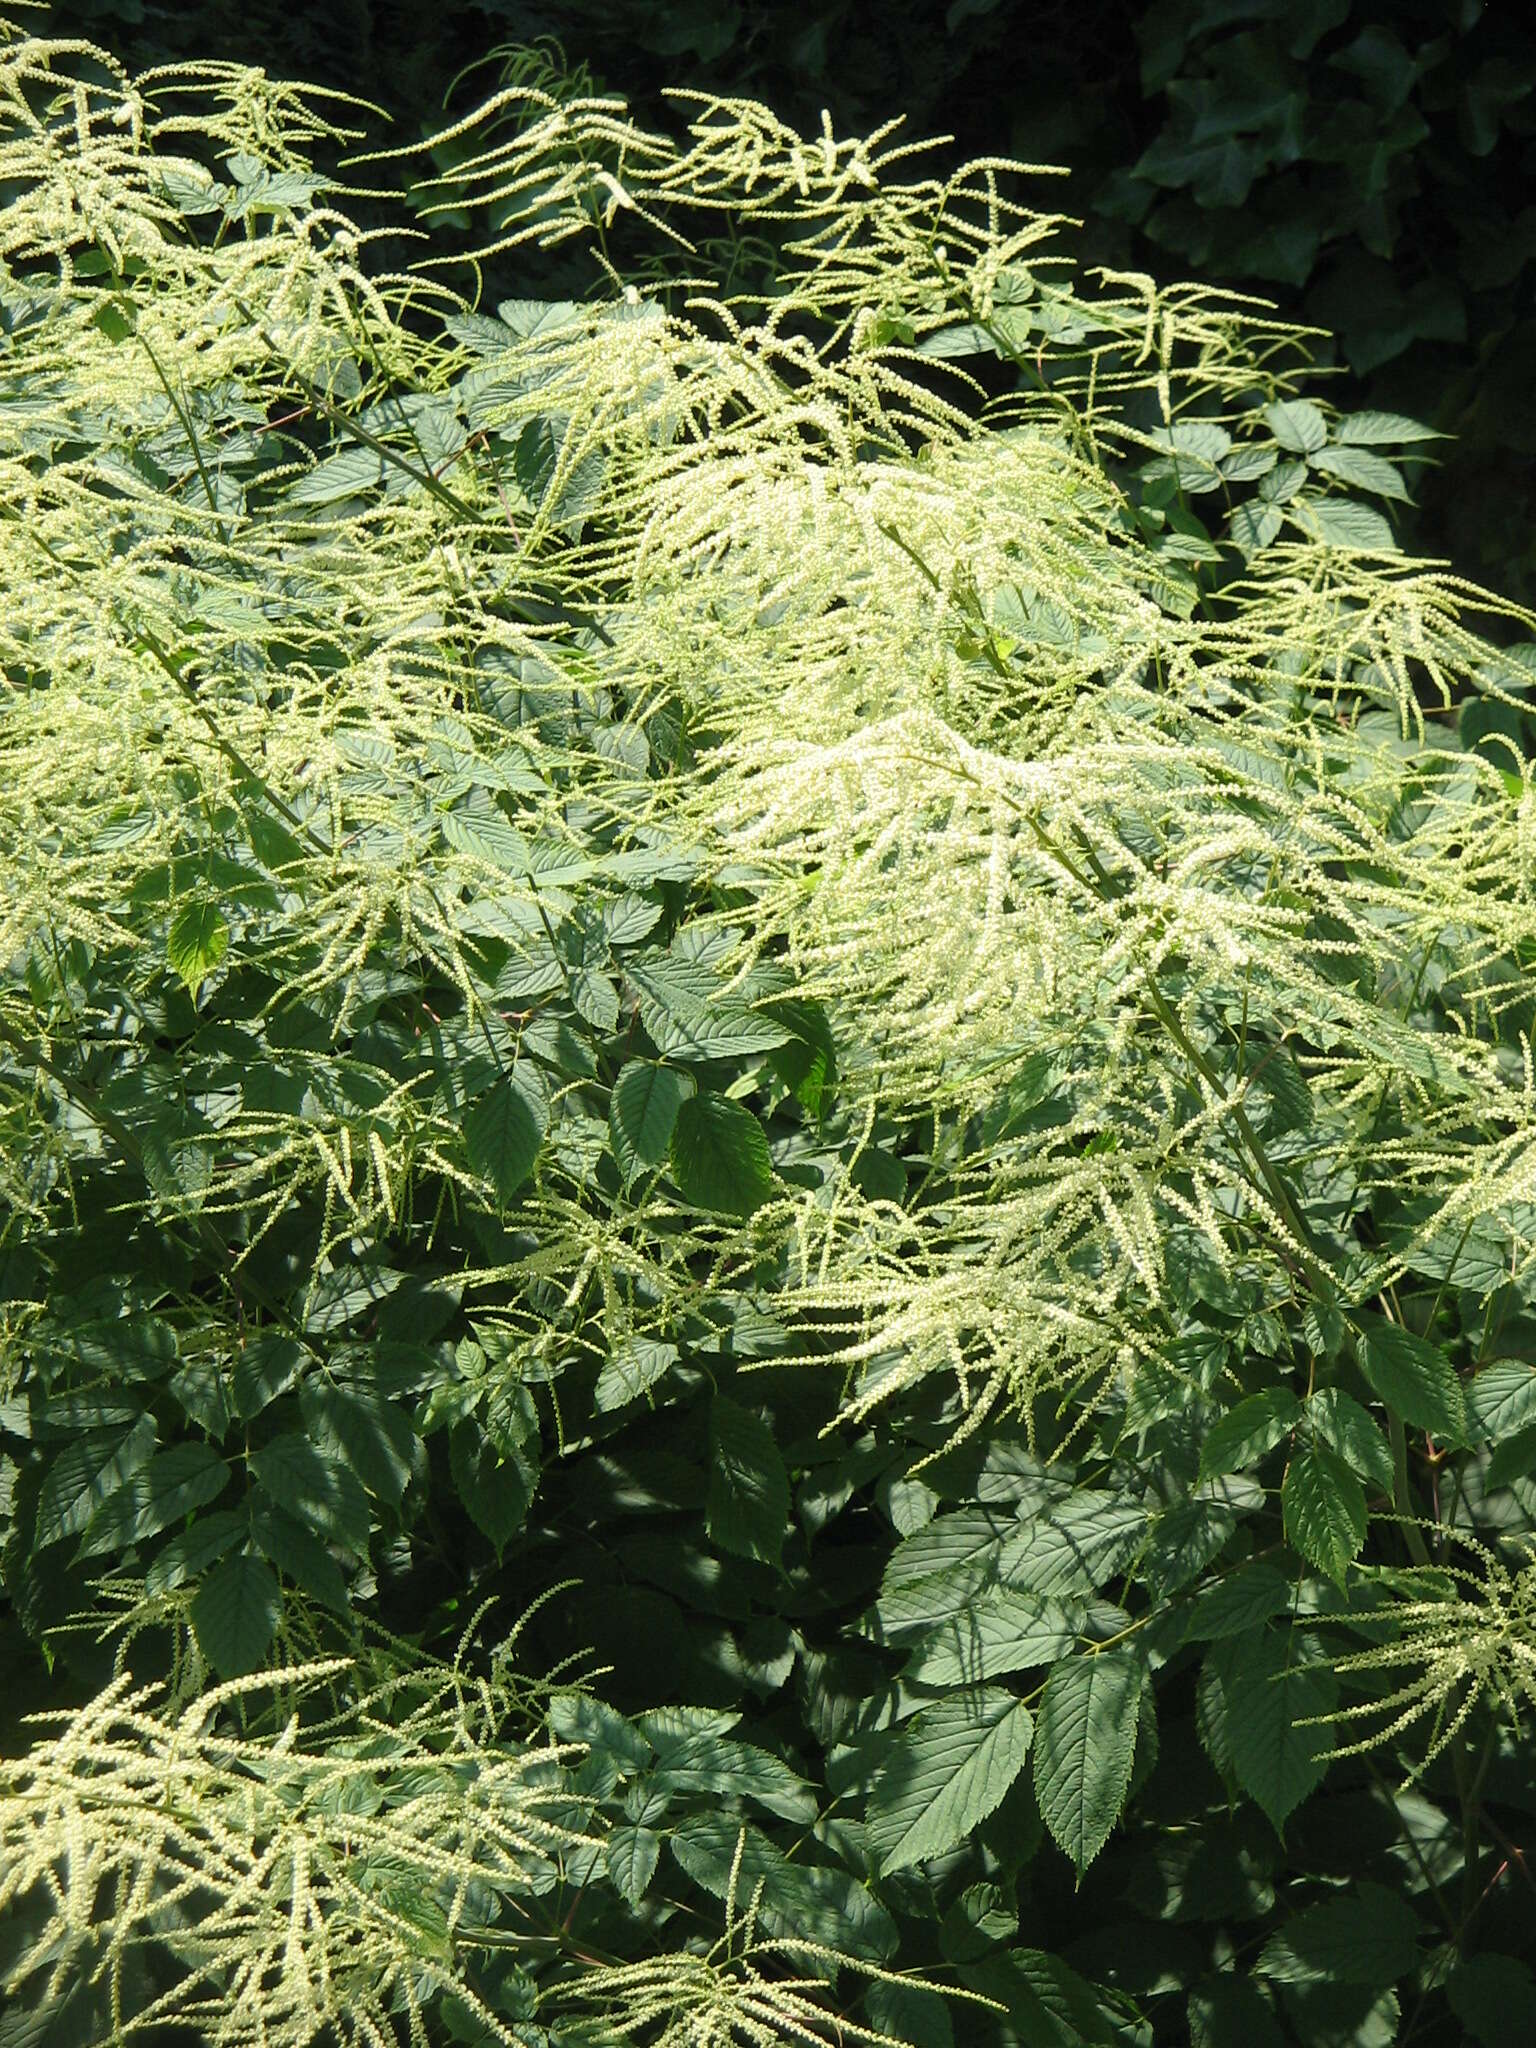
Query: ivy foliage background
767	1251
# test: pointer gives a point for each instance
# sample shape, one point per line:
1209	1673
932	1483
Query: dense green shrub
1366	162
768	1230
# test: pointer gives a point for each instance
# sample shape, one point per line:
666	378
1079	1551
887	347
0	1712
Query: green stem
1402	1499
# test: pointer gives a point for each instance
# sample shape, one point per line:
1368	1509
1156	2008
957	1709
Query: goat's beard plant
874	1043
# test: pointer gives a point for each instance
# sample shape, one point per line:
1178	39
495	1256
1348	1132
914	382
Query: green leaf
1341	523
630	1371
1047	2003
1240	1601
1343	1425
720	1156
595	996
642	1113
197	942
1086	1746
804	1900
1297	425
1511	1459
1324	1508
297	1554
1243	1435
1254	526
1494	1997
708	1763
980	1921
344	475
1001	1632
1367	1936
202	1388
484	835
86	1473
318	1491
1075	1545
1231	2012
527	318
1247	463
932	1573
806	1062
632	1853
602	1731
1268	1696
266	1367
496	1485
1382	428
947	1772
189	1553
369	1433
908	2011
946	342
503	1132
539	454
172	1484
1501	1401
1365	471
1412	1377
235	1615
747	1507
1187	1536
